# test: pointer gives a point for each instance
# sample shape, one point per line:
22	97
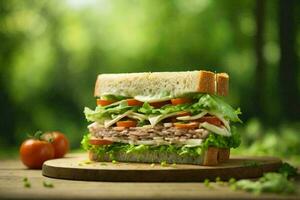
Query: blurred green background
52	51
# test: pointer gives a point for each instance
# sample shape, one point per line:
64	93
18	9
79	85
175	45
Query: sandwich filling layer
185	124
148	135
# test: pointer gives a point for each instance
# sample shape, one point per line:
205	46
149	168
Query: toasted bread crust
206	82
93	156
211	156
222	80
223	155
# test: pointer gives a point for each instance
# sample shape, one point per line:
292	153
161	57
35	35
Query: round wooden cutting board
78	167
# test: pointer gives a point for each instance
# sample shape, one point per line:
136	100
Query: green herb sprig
26	183
48	184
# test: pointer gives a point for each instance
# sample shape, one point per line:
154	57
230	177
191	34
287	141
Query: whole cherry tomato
35	152
60	143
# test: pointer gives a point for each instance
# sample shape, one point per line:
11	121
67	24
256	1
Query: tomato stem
40	135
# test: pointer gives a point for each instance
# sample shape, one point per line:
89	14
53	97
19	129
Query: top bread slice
162	84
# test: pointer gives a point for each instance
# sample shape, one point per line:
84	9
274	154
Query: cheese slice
215	129
108	123
138	116
225	122
156	119
198	116
151	99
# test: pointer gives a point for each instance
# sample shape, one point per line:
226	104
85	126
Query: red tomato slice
133	102
183	113
96	141
211	119
102	102
127	123
178	101
159	104
190	125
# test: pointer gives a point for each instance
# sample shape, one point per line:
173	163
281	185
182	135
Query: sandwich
162	117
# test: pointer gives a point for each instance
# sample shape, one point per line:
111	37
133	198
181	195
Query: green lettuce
214	103
129	148
212	140
113	97
210	103
206	102
222	141
167	109
270	182
107	112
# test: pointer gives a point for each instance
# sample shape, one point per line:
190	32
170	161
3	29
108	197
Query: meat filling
147	133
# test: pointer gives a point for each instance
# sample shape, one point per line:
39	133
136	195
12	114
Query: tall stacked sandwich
170	117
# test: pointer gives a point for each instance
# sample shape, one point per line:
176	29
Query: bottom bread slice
211	156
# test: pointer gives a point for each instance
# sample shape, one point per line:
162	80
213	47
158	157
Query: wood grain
79	168
11	187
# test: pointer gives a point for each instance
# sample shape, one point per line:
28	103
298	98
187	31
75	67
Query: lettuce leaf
222	141
212	140
204	102
216	104
271	182
129	148
100	114
150	110
113	97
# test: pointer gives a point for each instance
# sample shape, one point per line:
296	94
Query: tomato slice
211	119
60	143
102	102
127	123
159	104
133	102
96	141
183	113
187	126
178	101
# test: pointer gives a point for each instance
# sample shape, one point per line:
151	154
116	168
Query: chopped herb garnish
47	184
270	182
27	184
87	162
233	187
164	163
219	181
207	183
231	181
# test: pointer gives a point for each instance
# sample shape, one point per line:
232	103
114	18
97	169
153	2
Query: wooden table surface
12	173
